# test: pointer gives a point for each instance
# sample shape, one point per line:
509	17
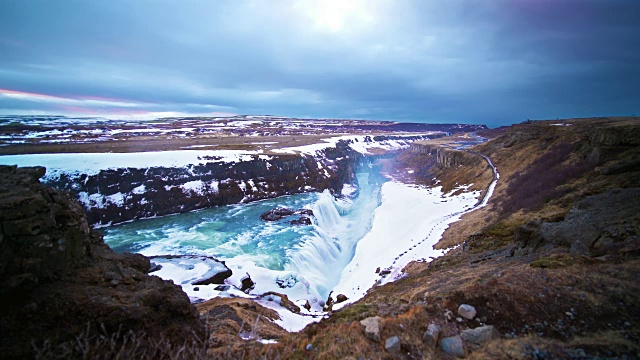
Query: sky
491	62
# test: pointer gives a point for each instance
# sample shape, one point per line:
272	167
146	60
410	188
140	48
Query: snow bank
187	270
92	163
359	143
405	227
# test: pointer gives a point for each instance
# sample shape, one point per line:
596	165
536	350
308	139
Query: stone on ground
480	335
392	344
372	327
430	336
467	311
453	346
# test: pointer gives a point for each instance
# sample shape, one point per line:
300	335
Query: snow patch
405	227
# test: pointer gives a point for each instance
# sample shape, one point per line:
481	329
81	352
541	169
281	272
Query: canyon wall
445	157
117	195
436	165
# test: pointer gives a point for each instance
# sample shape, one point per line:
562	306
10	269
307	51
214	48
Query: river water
309	259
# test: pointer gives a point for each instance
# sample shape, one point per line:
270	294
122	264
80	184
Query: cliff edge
59	282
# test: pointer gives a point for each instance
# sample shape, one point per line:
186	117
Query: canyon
550	262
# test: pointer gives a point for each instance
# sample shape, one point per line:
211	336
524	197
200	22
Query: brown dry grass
229	317
515	151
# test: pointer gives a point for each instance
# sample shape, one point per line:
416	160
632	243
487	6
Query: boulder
303	220
307	212
281	299
467	311
372	327
276	214
392	344
282	212
384	272
431	336
341	298
453	346
329	303
218	278
215	279
480	335
247	284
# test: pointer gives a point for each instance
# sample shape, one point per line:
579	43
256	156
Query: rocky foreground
59	282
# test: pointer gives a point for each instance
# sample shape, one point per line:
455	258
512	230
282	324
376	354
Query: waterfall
321	257
338	225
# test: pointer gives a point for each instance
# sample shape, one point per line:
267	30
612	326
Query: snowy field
92	163
407	224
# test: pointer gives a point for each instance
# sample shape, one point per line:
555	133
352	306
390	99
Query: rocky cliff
118	195
440	165
58	278
446	157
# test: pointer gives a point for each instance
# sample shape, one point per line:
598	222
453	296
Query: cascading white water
320	257
338	225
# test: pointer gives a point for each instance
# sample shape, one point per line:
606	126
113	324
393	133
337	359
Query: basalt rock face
447	158
43	232
57	276
450	167
118	195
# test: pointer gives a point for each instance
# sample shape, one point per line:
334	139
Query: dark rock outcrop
57	277
247	284
282	212
303	220
118	195
276	214
596	225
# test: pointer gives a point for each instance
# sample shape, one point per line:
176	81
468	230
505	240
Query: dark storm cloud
477	61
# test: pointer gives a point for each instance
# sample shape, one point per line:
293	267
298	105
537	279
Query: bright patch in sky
338	15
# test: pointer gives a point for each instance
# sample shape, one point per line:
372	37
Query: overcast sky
483	61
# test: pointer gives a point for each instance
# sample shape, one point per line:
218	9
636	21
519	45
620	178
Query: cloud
475	61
